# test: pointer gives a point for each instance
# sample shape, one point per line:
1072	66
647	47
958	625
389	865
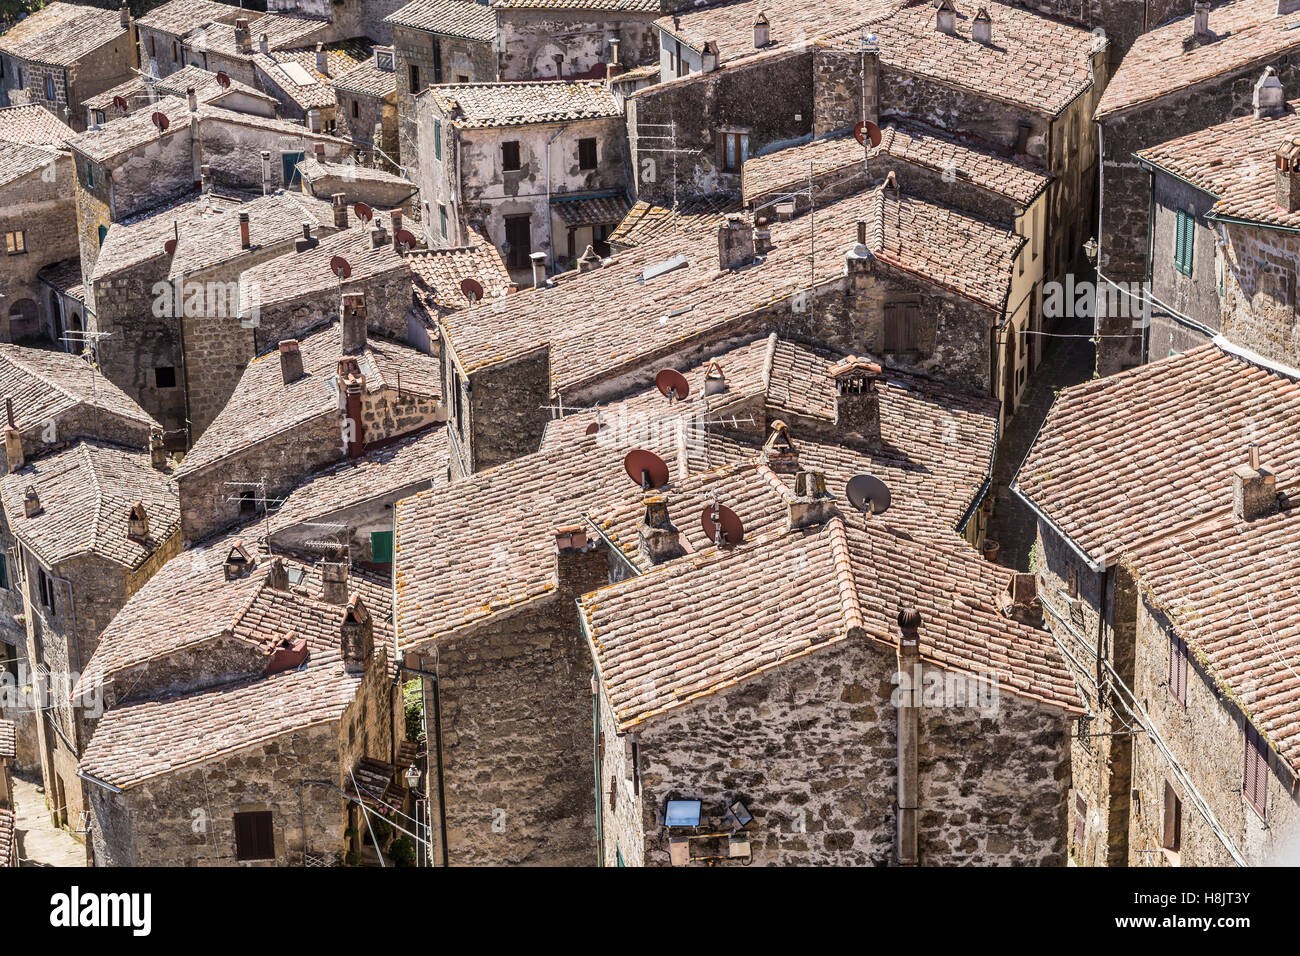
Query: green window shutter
381	547
437	139
1183	243
4	572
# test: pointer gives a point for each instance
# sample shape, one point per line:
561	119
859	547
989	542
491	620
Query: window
1080	819
442	219
384	59
413	77
735	150
164	376
1072	583
49	88
902	320
510	155
587	153
153	47
4	572
103	234
1178	669
437	139
1254	785
90	176
15	242
100	117
176	53
462	78
437	59
45	590
254	836
289	168
458	405
1171	837
356	109
519	242
1184	241
381	547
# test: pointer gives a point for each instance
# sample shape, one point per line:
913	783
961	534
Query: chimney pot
762	236
658	539
762	31
193	98
735	242
125	16
263	44
539	269
396	217
306	241
277	576
1254	489
1201	20
909	632
780	450
137	523
946	18
588	260
334	579
354	323
340	211
570	538
157	450
709	57
290	361
322	67
31	502
857	400
811	504
1269	98
1287	174
238	561
245	240
356	636
13	449
981	28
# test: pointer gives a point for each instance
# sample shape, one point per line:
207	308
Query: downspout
595	751
550	226
909	671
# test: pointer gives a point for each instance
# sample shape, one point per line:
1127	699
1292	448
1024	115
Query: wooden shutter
893	337
1172	833
1178	668
1255	775
254	836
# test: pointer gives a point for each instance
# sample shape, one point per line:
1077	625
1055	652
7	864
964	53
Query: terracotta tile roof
8	739
613	6
1234	162
206	227
44	384
298	274
7	843
281	32
1245	32
262	406
645	221
440	272
312	170
86	492
1229	589
490	105
787	169
189	601
422	457
453	18
65	276
18	160
205	84
694	627
588	338
1124	459
367	79
60	34
181	17
340	59
33	126
590	210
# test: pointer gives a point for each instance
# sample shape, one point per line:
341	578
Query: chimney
1019	601
762	31
245	240
658	540
137	523
779	450
318	150
1287	174
290	361
762	236
946	19
396	217
352	386
909	700
205	178
243	38
613	68
288	654
735	242
589	260
340	211
13	449
278	575
354	323
1269	98
709	57
125	16
539	269
356	636
263	44
313	122
1201	20
306	241
857	400
714	381
193	98
266	171
334	578
1254	494
322	67
581	565
157	450
238	561
981	28
812	504
31	502
378	235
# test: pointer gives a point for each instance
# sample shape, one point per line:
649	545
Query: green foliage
1035	556
352	858
382	830
413	703
402	852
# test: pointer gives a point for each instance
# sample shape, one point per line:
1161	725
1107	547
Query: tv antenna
868	494
671	149
89	352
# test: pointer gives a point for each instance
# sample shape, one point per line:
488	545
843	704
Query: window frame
1184	242
507	146
1254	784
1172	820
437	140
1178	669
263	841
734	145
16	247
588	147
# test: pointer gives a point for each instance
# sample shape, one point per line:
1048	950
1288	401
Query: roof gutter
1094	566
101	783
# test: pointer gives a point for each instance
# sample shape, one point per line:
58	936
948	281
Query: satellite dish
673	384
223	79
161	121
405	238
119	102
868	130
363	212
716	516
340	267
867	492
646	468
470	288
169	246
593	428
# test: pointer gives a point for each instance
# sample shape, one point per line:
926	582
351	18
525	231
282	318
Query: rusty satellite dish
405	239
867	492
673	384
471	289
340	267
867	130
646	468
719	519
119	102
169	246
593	428
161	121
223	79
363	212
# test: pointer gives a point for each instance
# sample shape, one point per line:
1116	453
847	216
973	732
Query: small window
356	109
902	321
254	836
735	150
15	242
153	47
381	547
1171	837
1080	819
90	176
384	60
442	219
1184	242
103	234
165	376
462	78
1255	777
510	155
587	153
1178	669
1072	583
176	53
437	139
413	77
4	571
100	118
49	88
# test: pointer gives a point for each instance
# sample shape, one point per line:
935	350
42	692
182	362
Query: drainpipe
909	669
550	227
595	752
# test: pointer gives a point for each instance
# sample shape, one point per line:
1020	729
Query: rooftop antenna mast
671	149
259	499
89	342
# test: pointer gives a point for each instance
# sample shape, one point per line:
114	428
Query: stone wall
529	40
388	298
40	206
456	57
1259	269
1194	297
374	125
506	403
